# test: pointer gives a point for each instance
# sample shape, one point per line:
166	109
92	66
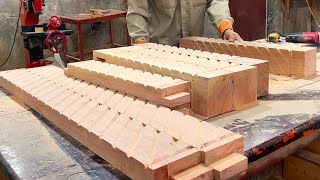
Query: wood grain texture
230	166
283	59
162	90
188	65
141	146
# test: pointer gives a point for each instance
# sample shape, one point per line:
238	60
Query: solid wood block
282	60
262	73
222	148
230	166
303	62
281	63
197	172
244	86
207	89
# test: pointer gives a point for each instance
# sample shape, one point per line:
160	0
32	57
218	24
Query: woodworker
166	21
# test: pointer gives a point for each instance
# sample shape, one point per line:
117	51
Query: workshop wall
9	14
292	17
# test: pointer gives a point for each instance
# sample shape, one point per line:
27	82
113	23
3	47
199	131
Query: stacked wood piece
217	87
141	139
284	59
162	90
262	66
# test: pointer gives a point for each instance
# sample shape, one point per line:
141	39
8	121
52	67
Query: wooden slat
199	171
229	166
223	148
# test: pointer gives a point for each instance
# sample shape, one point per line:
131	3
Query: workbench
285	121
79	21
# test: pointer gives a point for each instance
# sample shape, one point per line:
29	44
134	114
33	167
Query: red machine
52	35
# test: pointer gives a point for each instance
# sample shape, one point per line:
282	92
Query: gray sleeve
138	20
219	11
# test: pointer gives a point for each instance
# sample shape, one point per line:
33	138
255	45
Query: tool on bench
51	36
273	37
304	37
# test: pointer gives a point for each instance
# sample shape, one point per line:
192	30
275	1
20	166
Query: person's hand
231	36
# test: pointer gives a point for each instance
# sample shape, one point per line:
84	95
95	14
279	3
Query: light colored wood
284	59
227	146
229	166
189	66
136	146
244	86
170	94
207	89
301	62
197	172
262	73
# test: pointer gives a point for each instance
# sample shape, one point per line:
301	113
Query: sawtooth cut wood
159	89
284	59
141	139
217	86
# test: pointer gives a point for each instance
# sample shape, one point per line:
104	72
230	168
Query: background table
80	20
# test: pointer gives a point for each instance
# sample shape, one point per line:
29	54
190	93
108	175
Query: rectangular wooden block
197	172
284	59
244	86
303	62
223	148
207	89
230	166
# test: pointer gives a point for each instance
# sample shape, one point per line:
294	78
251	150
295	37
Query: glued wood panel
141	145
192	66
284	59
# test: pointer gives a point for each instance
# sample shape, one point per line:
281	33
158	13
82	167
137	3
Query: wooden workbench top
31	147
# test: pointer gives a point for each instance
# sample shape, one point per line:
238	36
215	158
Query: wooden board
165	90
284	59
154	146
212	74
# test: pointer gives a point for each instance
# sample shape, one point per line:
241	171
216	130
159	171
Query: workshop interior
165	89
